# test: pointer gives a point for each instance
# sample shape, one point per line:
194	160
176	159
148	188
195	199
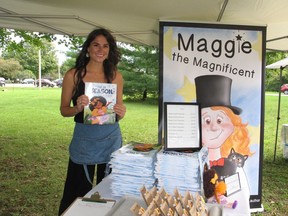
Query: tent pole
223	7
278	115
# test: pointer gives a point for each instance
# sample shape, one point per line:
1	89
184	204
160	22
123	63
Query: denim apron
93	144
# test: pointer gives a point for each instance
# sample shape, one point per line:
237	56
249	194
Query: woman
97	62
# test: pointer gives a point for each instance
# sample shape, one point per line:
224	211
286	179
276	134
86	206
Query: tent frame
278	112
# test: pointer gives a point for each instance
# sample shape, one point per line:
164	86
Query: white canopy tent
137	21
279	64
282	64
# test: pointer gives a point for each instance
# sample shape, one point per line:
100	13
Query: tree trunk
144	95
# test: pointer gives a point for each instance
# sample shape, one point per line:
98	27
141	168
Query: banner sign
222	68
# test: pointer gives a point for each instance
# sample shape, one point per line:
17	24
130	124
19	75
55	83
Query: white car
2	81
28	81
45	82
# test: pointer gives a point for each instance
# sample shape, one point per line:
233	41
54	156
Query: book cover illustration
102	98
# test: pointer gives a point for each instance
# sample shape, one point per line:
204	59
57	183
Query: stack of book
132	167
180	170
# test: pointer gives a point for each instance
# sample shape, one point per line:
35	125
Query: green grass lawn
34	140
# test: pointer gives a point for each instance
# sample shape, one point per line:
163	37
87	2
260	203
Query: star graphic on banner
188	91
169	43
238	37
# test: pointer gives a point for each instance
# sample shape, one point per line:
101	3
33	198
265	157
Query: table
243	208
104	189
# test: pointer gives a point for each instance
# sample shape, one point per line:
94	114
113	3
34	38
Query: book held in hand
102	98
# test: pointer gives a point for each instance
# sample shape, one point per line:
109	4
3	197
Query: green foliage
25	74
272	57
8	42
34	143
272	77
29	57
140	69
10	69
70	61
135	85
74	42
14	40
23	46
139	64
274	173
4	37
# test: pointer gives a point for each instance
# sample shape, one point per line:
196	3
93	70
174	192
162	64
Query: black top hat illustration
215	90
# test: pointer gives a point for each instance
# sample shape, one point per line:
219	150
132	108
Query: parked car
45	82
58	82
284	89
28	81
2	81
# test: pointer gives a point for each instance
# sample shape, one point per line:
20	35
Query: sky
60	50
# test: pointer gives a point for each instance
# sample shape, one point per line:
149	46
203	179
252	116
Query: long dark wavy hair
110	64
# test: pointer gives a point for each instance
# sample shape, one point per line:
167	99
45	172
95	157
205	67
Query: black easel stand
278	116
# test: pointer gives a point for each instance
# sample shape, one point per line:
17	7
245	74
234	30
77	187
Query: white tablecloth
242	209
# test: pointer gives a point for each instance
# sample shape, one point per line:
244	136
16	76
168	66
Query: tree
11	39
18	41
70	61
9	69
272	78
29	57
139	66
25	74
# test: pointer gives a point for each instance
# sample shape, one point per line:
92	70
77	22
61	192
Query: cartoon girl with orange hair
222	127
223	130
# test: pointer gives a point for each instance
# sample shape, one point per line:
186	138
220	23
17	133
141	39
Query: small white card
233	184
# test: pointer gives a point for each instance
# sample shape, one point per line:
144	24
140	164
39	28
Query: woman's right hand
82	101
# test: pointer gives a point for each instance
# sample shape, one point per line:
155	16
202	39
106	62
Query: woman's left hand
120	110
